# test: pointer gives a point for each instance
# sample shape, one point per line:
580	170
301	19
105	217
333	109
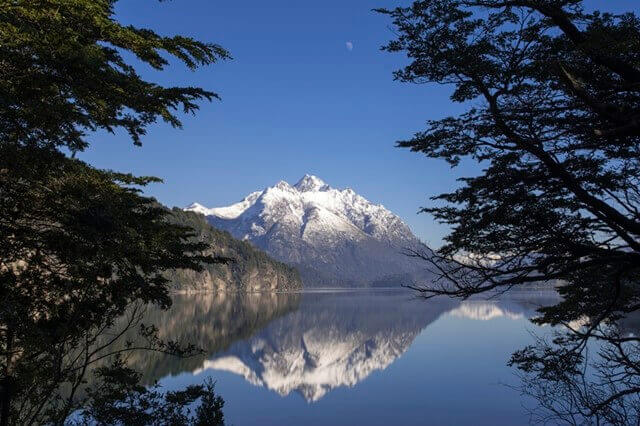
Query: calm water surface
352	357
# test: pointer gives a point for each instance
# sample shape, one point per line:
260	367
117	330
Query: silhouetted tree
79	247
64	73
120	399
553	114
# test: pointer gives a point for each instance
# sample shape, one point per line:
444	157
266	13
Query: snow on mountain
230	212
332	236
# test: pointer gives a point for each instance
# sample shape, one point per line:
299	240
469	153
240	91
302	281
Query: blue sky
295	99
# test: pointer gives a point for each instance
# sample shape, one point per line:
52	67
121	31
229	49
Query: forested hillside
248	269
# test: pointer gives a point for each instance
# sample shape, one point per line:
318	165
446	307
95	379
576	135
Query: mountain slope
250	270
332	236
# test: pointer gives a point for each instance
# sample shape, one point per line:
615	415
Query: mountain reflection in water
331	340
310	343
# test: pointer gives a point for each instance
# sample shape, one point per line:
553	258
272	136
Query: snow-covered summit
313	225
229	212
310	183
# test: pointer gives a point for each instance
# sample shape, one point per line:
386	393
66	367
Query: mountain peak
283	185
310	183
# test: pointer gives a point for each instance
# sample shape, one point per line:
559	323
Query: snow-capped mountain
333	236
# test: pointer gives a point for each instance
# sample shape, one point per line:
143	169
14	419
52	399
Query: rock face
250	269
333	237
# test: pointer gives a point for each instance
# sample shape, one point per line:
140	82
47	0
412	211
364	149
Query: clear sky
308	91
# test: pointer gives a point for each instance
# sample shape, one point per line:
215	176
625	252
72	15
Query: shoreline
546	288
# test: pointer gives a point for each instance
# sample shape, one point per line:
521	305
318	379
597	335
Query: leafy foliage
64	73
552	95
80	247
119	399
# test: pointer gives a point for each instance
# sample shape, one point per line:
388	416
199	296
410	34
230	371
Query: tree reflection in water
587	373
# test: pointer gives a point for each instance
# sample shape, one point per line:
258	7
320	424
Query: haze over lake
352	357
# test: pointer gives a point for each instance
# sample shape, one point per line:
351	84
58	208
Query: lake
370	357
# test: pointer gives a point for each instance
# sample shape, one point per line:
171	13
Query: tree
64	74
553	95
79	247
119	399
